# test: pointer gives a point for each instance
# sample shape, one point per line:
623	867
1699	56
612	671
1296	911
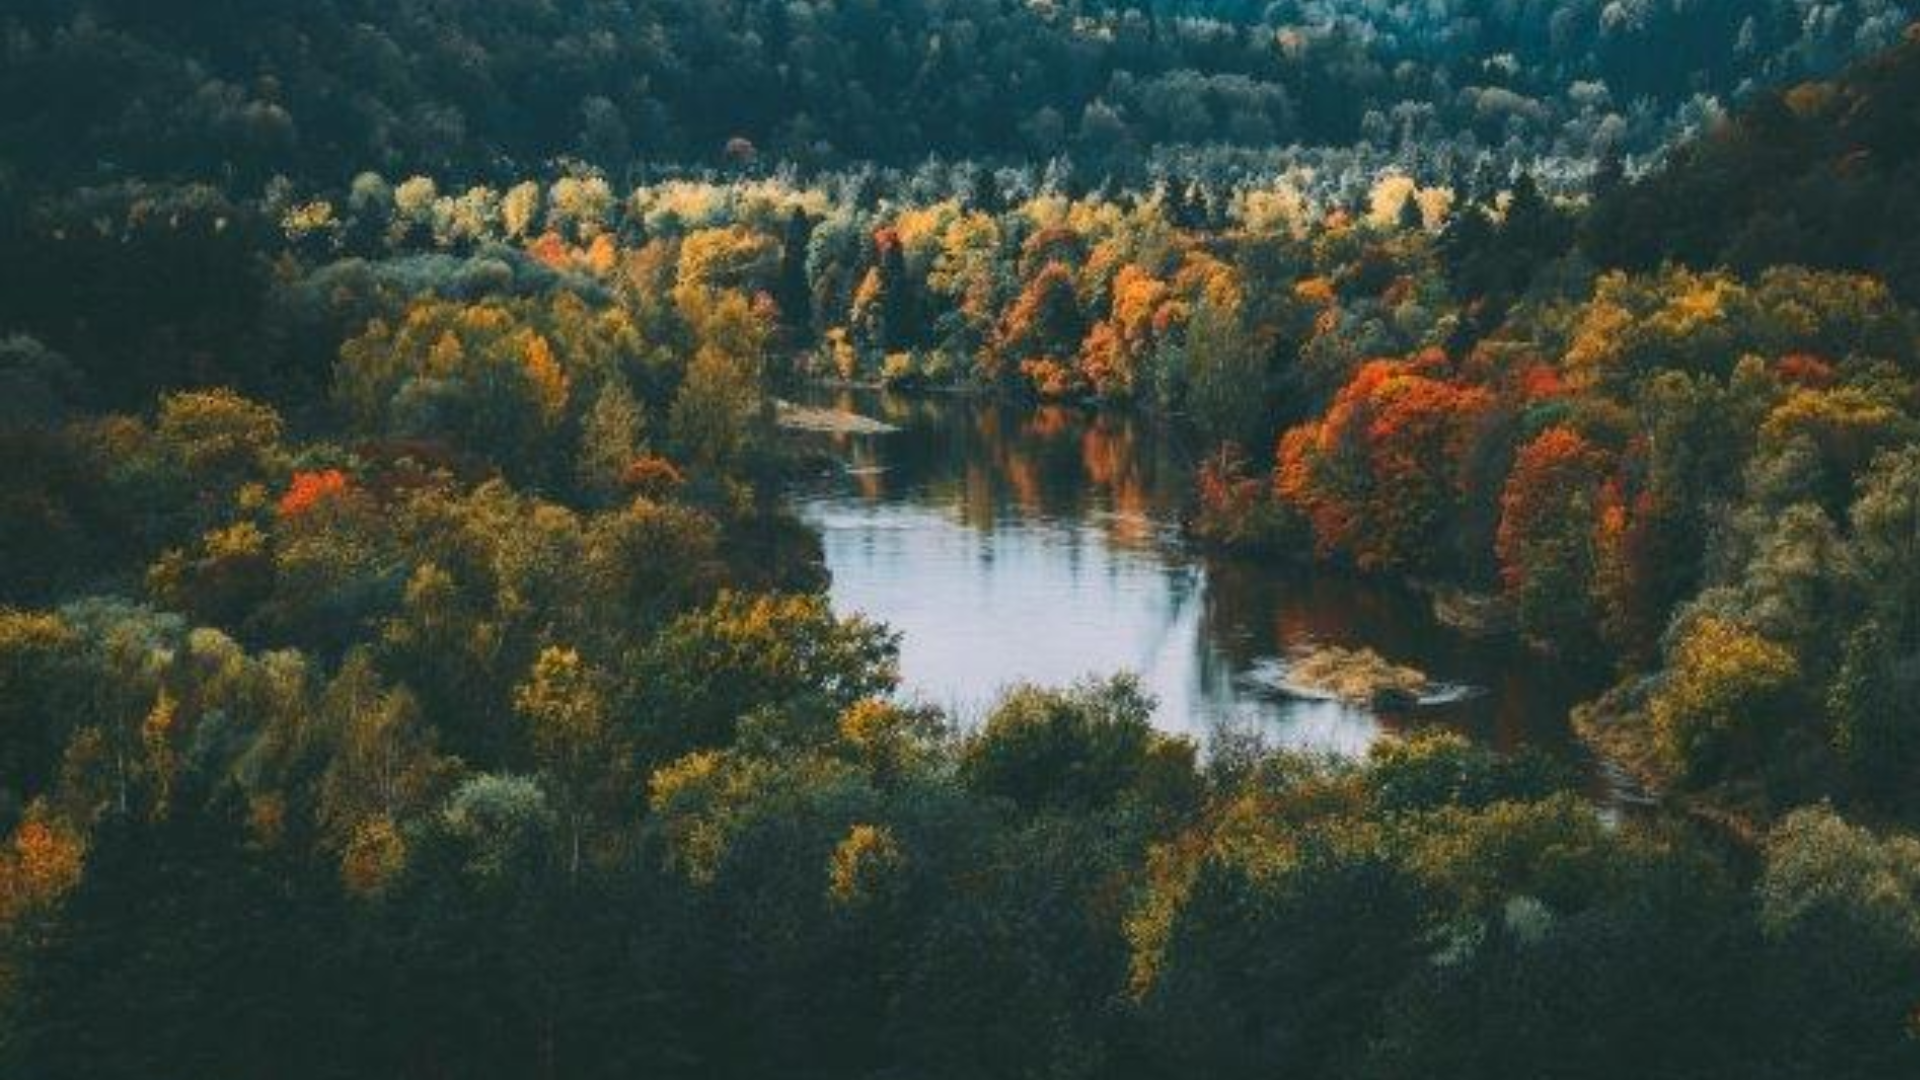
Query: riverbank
1615	727
1043	543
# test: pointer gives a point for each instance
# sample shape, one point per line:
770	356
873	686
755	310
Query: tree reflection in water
1013	543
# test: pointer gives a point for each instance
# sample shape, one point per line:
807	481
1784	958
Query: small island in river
823	421
1357	676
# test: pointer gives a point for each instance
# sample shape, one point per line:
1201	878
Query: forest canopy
242	92
412	664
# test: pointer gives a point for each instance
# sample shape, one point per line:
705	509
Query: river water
1042	544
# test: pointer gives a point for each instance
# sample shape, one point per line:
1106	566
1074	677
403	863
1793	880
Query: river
1012	543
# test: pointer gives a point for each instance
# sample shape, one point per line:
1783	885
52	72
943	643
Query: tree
1727	695
716	414
309	489
1042	330
183	948
734	257
885	315
1084	749
1247	956
1835	890
1545	540
37	384
41	864
580	205
44	689
1846	426
1875	725
651	561
1226	375
217	435
564	702
720	409
1886	541
1116	352
520	210
611	441
1435	771
788	657
413	202
486	377
1379	475
792	290
1800	587
382	770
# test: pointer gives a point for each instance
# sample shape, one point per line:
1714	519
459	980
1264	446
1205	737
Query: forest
411	665
249	89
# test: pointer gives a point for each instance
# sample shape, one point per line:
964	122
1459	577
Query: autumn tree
1545	543
612	439
1041	331
1727	695
1118	349
564	702
383	769
734	257
482	376
1379	475
718	414
707	670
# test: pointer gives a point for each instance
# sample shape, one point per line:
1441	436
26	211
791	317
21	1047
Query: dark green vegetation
412	672
1814	176
246	89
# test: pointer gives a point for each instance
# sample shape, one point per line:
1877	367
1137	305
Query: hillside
1822	174
319	89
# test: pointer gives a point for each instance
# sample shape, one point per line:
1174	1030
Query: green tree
1875	722
382	770
1258	958
612	438
1226	375
1886	541
218	435
1836	891
564	702
1083	750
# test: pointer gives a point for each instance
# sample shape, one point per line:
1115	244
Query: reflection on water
1013	544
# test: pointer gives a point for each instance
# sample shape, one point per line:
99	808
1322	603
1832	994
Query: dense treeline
1818	175
102	89
1708	475
409	668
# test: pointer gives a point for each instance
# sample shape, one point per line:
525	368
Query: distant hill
1826	174
239	91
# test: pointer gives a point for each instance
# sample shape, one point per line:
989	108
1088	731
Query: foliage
709	669
417	672
1382	474
420	91
1547	526
1088	748
1726	697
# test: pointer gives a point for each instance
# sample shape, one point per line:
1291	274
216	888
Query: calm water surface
1015	544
